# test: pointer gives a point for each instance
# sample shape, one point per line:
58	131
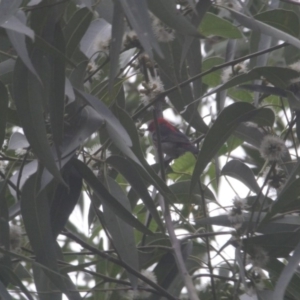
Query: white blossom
259	257
20	151
130	40
232	4
162	32
236	216
103	46
15	237
151	89
230	72
295	66
272	148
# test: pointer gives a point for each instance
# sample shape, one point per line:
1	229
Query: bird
174	143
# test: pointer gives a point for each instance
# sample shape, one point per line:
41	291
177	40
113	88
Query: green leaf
19	43
65	199
57	88
116	43
76	28
241	172
3	111
285	199
44	285
28	98
107	198
181	190
183	166
249	134
8	8
214	25
213	78
166	11
36	216
121	233
5	260
128	170
287	273
275	268
278	244
223	127
4	293
15	280
284	20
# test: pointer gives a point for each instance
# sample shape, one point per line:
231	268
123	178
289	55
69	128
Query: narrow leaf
76	28
57	88
3	111
8	8
122	233
287	274
28	100
116	42
166	11
107	198
36	216
128	170
65	199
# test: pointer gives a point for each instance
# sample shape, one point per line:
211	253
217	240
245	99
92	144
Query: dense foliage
89	208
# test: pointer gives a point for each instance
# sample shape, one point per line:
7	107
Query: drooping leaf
287	274
7	9
275	268
3	112
166	11
4	293
44	285
116	42
285	199
133	177
76	28
28	100
36	216
121	232
240	171
65	199
17	39
217	135
57	88
17	24
5	260
107	198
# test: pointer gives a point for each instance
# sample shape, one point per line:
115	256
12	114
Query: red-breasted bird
174	143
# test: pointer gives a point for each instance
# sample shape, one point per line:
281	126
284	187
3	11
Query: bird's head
160	121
